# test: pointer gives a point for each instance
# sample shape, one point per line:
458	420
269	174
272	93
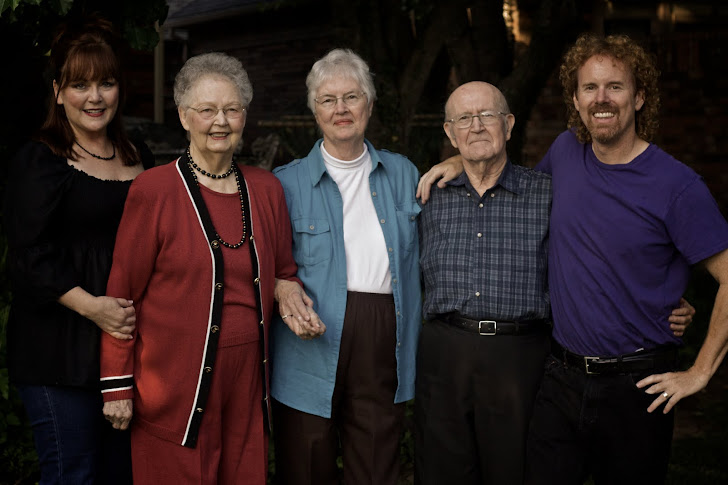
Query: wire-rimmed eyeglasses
352	99
231	112
487	118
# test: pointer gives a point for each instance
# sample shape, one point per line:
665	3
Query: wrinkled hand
681	317
445	171
119	413
296	309
115	316
677	385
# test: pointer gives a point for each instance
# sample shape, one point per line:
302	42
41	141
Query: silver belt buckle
587	361
480	327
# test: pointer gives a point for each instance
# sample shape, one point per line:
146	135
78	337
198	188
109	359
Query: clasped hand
296	309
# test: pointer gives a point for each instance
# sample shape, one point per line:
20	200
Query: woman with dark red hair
66	192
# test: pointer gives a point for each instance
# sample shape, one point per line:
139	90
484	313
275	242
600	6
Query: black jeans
599	425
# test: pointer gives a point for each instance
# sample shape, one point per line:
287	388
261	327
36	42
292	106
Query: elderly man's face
479	142
606	99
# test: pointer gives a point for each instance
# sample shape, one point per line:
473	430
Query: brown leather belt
493	327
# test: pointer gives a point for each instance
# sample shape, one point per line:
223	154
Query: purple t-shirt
622	240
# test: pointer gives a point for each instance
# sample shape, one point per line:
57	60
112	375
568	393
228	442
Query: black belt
619	364
493	327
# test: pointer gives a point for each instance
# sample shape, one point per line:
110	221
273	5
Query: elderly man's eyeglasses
231	112
328	101
487	118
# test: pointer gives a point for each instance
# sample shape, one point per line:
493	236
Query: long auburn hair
85	49
637	62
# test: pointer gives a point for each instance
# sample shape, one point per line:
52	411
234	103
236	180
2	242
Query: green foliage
18	460
136	18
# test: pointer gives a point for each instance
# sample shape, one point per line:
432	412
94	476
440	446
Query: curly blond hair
636	60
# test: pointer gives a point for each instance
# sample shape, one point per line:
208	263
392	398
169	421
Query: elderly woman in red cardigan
201	244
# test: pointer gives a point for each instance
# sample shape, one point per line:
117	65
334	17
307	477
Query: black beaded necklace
233	169
113	155
204	172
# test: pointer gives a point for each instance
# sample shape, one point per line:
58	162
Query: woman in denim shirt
354	218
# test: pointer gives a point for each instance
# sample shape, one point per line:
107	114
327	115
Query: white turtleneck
367	263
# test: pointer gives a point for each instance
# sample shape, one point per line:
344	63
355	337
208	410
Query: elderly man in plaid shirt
483	243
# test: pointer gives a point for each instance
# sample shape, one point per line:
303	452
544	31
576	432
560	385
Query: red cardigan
167	261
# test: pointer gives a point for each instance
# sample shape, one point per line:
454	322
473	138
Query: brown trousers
364	422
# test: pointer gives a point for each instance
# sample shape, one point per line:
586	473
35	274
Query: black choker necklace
208	174
233	169
113	155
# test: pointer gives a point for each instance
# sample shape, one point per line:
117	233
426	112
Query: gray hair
340	63
215	64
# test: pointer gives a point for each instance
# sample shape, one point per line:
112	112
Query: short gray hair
340	63
215	64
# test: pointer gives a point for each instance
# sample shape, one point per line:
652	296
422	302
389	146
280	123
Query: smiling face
342	124
89	105
219	135
606	100
479	142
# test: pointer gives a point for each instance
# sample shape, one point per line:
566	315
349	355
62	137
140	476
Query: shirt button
477	293
311	227
251	237
199	410
261	322
412	218
394	281
214	329
214	244
381	220
468	194
256	281
265	361
374	194
208	369
398	313
390	250
399	344
492	194
480	234
218	286
480	205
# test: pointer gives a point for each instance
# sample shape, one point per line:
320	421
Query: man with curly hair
627	223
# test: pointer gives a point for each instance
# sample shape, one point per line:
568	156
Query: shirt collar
508	179
317	168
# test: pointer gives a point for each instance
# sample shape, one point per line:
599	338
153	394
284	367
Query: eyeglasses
350	99
487	118
232	112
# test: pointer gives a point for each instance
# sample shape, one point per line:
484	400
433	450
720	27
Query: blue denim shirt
304	371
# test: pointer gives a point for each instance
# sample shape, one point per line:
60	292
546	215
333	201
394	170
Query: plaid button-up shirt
486	257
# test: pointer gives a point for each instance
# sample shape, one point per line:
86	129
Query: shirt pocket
312	241
407	225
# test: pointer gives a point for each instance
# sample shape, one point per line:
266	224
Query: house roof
188	12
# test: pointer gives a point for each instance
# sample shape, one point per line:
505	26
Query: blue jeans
75	444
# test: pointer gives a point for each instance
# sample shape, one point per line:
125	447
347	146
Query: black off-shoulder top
61	226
